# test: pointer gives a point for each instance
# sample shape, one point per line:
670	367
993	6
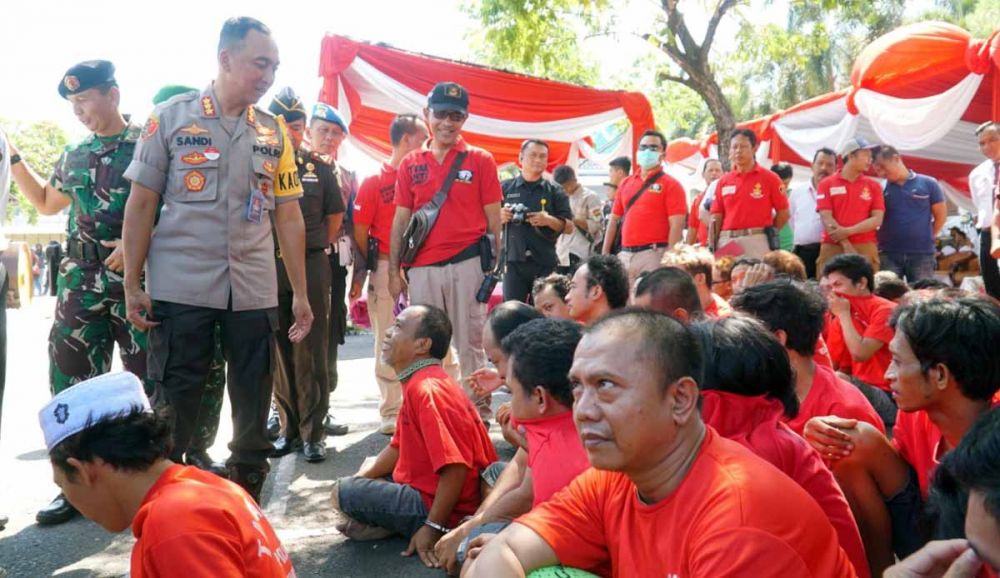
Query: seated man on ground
540	354
785	264
888	285
667	495
749	271
974	468
109	456
549	296
944	374
748	391
434	458
670	291
795	313
858	331
598	286
699	263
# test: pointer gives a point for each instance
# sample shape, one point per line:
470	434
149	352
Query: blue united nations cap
324	111
448	96
85	76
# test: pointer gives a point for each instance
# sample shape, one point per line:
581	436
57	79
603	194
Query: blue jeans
383	503
491	528
910	266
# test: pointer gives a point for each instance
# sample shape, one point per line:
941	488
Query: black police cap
448	96
85	76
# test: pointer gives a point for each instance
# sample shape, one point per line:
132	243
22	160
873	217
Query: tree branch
664	77
713	24
676	23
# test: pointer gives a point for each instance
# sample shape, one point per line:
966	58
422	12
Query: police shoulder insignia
252	116
265	130
194	181
152	125
207	106
268	167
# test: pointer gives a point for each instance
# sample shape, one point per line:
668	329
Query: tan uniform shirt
218	179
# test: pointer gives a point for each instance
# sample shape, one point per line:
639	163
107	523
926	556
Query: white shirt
982	185
807	227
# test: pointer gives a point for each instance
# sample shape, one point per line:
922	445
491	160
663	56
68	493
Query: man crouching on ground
427	479
109	457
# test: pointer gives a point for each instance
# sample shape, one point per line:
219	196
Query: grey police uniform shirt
213	237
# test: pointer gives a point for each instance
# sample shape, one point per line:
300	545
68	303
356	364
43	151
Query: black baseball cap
448	96
86	75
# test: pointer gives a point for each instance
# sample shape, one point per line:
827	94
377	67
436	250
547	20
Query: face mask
648	159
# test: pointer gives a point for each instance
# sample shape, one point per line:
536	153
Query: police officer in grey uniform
221	166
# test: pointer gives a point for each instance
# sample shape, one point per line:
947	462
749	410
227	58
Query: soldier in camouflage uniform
89	178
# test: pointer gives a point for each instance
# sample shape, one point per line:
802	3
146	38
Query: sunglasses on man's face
453	115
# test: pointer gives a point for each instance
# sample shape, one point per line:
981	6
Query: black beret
287	104
85	76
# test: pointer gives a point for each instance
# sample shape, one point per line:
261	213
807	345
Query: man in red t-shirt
697	229
749	200
653	221
851	206
859	331
427	479
796	314
448	268
374	211
188	522
667	495
944	374
699	263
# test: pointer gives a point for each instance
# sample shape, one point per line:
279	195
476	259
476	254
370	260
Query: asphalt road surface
295	499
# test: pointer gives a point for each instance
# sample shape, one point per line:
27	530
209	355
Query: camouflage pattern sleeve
152	156
59	173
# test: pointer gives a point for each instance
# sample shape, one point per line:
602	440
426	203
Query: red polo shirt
374	205
748	200
830	395
718	308
438	426
461	221
648	220
870	317
850	202
694	220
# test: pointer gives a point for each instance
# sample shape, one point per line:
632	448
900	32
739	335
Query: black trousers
988	265
338	316
809	254
520	276
180	352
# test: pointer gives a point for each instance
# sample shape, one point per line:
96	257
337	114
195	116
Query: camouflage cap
85	76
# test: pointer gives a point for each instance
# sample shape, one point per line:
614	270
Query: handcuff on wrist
436	526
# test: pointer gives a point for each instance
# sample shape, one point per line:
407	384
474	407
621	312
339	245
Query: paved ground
295	498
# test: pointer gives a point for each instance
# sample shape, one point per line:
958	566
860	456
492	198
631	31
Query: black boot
201	460
250	478
58	511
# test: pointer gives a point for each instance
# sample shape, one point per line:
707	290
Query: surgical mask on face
648	159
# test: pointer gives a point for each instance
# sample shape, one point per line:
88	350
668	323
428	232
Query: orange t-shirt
748	200
648	220
870	316
438	426
732	515
193	523
830	395
850	203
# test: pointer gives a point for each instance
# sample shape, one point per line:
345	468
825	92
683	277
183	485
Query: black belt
463	255
641	248
87	251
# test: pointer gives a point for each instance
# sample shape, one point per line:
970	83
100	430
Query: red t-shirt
648	221
919	441
192	523
719	307
870	317
732	515
756	423
695	222
438	426
822	354
748	200
850	203
461	221
555	454
830	395
374	205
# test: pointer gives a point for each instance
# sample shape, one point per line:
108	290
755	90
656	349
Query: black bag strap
649	182
442	195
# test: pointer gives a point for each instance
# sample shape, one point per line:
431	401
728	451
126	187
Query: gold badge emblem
207	106
758	192
453	91
194	129
71	83
194	181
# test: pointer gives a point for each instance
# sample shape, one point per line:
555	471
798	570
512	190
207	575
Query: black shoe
315	452
201	460
273	425
250	478
333	428
58	511
284	446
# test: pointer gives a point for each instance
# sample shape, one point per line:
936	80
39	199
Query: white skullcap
90	401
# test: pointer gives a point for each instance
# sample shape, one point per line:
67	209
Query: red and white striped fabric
370	84
921	88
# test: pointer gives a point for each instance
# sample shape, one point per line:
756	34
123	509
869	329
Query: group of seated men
795	429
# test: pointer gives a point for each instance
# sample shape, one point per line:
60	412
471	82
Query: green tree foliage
40	144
